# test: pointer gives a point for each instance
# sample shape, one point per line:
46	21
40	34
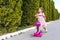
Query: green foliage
10	14
56	15
30	8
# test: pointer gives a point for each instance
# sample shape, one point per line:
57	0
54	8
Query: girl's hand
36	14
45	17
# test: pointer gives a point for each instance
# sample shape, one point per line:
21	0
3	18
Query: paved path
53	33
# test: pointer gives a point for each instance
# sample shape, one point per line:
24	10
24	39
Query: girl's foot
46	31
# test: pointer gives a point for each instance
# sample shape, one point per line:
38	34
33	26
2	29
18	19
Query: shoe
46	31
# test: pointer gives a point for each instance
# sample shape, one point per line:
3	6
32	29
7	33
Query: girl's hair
41	9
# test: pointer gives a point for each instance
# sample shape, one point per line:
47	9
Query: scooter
38	33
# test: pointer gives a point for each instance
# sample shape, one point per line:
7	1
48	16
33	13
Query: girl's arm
44	16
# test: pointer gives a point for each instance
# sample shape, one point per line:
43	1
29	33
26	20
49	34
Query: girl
41	18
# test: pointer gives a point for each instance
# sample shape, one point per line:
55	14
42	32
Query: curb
9	35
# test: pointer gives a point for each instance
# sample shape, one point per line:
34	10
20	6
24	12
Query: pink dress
41	19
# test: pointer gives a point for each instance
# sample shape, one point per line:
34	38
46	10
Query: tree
30	8
10	14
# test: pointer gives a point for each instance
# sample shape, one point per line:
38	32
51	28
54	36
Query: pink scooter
38	33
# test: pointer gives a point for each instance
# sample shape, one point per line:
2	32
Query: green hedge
10	14
56	15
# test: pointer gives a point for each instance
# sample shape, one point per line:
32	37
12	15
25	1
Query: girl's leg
45	29
45	26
